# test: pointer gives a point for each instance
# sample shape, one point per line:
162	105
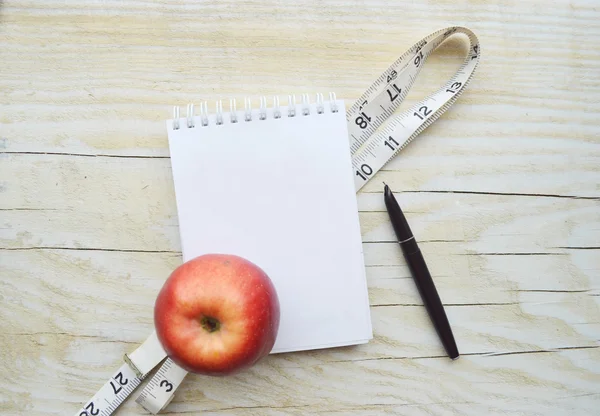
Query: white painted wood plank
518	272
460	279
116	230
128	204
525	383
80	293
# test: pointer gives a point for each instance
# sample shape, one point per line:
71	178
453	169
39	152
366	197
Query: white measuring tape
370	150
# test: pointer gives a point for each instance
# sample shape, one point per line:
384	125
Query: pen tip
386	189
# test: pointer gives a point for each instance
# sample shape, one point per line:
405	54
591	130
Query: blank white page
280	193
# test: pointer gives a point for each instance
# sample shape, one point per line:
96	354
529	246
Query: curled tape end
131	364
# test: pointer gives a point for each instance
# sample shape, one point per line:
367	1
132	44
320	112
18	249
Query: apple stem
210	324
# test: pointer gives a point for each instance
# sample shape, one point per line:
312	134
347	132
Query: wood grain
548	382
503	193
137	210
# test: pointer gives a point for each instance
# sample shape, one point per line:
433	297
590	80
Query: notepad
274	185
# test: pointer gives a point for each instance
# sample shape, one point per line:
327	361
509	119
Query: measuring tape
370	151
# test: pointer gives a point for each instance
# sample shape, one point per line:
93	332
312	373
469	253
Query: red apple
217	314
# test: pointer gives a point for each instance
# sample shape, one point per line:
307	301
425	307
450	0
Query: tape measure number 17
371	150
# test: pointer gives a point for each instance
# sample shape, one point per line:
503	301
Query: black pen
420	272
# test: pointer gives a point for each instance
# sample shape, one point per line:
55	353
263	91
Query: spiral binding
304	110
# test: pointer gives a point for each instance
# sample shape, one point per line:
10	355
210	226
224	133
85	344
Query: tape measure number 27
371	150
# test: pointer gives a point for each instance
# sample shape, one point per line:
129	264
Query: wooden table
503	193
